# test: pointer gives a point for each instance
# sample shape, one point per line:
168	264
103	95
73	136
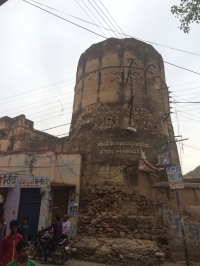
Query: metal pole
187	259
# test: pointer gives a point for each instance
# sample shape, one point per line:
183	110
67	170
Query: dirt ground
71	262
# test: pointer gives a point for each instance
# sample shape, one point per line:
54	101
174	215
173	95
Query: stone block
122	234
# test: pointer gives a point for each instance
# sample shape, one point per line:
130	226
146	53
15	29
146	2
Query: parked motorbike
58	251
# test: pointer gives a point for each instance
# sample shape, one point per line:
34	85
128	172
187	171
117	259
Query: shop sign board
175	177
33	182
10	180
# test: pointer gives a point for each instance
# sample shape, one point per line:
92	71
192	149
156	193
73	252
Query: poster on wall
8	180
164	157
73	208
175	177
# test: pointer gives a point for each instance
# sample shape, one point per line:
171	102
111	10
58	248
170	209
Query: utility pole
187	259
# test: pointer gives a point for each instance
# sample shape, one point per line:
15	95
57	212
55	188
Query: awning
62	185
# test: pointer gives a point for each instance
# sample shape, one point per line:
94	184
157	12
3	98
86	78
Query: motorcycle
58	251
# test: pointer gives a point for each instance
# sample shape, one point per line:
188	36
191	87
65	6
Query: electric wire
22	111
37	92
191	147
50	113
37	102
52	117
90	18
107	19
112	17
93	15
102	17
177	85
183	68
65	19
186	93
180	50
39	88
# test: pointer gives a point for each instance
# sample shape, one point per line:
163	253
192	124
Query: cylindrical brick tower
120	84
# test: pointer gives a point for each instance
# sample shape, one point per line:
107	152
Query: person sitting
57	233
22	249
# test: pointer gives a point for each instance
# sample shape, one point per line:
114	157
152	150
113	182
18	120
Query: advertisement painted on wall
15	180
175	177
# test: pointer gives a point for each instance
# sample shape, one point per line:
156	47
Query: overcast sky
40	52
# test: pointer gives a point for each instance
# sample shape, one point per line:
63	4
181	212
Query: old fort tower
120	84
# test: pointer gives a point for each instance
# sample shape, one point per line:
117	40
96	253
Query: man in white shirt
66	226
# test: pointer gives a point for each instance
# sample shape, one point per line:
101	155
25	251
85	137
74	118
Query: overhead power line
165	46
177	85
113	40
106	18
183	102
37	103
52	117
39	88
65	19
55	127
112	18
52	112
37	93
187	93
89	17
191	147
41	106
100	16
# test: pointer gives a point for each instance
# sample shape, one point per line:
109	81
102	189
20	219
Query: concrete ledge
166	184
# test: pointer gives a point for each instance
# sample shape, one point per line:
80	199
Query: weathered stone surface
119	251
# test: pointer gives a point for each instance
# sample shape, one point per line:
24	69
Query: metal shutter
29	205
60	202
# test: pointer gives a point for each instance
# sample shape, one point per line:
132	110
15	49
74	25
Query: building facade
39	185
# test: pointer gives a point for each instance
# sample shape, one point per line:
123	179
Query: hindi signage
33	182
15	180
175	177
8	180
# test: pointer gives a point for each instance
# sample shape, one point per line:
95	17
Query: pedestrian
22	249
66	226
57	233
23	228
8	245
2	226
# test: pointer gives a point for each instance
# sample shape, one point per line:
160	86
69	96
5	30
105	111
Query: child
23	252
23	228
8	245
